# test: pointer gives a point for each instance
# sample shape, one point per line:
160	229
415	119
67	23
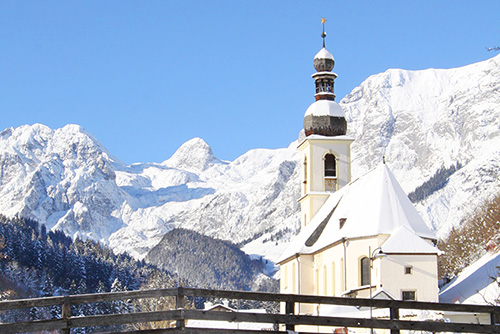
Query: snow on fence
179	316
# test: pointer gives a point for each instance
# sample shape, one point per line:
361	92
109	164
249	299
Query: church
359	238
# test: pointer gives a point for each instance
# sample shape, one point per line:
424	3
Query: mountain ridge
420	121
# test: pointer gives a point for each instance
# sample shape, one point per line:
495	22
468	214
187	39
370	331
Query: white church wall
422	279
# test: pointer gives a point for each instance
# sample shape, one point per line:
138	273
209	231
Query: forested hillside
36	263
209	262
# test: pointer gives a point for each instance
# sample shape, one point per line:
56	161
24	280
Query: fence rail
288	320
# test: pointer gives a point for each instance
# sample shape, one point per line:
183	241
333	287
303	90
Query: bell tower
325	148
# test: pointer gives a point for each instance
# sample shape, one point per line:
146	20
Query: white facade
316	187
372	219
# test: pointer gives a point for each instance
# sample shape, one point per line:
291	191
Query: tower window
408	270
330	166
365	271
305	176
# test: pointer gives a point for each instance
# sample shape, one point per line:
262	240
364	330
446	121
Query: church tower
325	148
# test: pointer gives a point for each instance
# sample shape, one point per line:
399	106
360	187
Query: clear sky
146	76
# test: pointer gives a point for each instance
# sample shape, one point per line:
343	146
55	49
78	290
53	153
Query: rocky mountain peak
193	155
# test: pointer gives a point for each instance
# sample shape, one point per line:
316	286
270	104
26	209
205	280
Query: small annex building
360	238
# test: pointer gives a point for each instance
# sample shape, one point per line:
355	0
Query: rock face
66	179
420	121
63	178
423	120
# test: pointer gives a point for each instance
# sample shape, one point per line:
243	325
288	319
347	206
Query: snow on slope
423	120
66	179
420	120
252	195
62	177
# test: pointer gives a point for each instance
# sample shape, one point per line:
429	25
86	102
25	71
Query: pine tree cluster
436	182
208	262
37	263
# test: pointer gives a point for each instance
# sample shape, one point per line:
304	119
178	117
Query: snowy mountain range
66	179
419	120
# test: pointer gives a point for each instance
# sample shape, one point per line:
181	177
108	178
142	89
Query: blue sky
146	76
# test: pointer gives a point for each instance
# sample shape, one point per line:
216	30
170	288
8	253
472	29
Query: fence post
290	310
493	318
179	305
394	315
65	314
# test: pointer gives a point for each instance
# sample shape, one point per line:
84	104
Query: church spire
323	34
324	117
324	63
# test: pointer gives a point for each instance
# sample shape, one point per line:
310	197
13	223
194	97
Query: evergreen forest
35	262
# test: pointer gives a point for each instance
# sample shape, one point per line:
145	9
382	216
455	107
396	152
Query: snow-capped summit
64	178
195	154
425	120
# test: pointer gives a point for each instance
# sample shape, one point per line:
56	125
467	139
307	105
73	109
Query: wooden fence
286	321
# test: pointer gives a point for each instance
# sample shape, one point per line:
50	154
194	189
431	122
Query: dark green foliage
436	182
41	263
205	262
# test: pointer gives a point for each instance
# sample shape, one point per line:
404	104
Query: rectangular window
408	270
409	295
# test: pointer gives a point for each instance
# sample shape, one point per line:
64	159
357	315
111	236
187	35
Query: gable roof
371	205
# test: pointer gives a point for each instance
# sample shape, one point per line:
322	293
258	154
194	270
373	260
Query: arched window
330	173
342	275
305	176
285	278
364	265
334	288
330	166
325	282
317	282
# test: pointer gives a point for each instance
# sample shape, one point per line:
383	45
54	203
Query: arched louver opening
330	166
330	173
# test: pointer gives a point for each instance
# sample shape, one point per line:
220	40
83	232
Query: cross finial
323	34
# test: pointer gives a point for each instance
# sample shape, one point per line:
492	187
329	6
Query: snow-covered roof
323	54
325	108
474	285
404	241
371	205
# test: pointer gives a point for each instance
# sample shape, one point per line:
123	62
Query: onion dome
325	116
323	61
